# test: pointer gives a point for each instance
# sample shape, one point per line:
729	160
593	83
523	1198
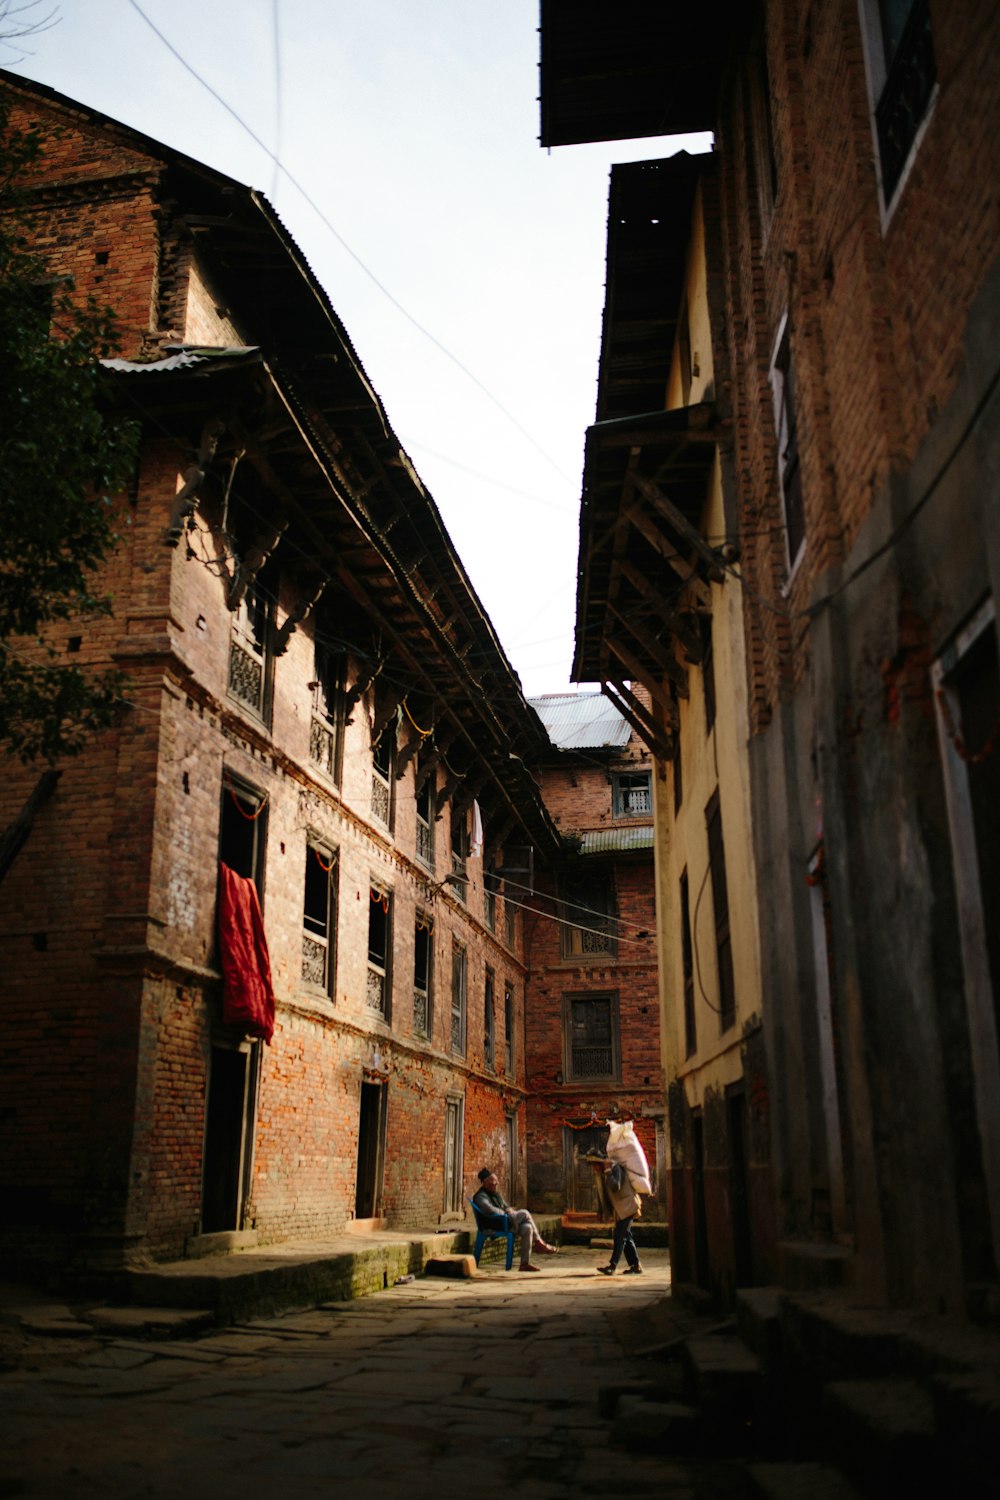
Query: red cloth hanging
247	996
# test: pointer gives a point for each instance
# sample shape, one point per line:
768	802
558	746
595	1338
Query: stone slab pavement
500	1384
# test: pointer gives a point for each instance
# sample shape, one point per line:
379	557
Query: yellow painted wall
716	760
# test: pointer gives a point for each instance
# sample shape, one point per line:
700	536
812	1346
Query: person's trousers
623	1241
523	1225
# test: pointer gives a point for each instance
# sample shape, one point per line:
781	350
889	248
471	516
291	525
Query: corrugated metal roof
616	840
582	721
183	359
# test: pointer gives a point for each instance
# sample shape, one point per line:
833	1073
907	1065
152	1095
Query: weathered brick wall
578	793
877	312
107	923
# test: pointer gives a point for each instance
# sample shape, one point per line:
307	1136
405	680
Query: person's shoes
633	1271
547	1249
530	1267
606	1270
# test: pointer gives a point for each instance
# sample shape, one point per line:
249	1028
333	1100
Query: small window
510	918
508	1027
250	649
491	886
383	780
903	75
687	962
460	855
380	951
423	956
243	830
590	1027
633	794
587	911
326	730
785	423
458	999
319	925
489	1020
707	670
425	820
720	907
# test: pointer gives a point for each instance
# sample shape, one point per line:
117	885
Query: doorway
371	1151
739	1196
228	1114
583	1184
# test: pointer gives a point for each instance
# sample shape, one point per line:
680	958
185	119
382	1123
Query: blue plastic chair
488	1228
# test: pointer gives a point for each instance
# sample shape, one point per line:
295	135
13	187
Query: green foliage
63	455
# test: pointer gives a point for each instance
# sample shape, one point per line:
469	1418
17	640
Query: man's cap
485	1172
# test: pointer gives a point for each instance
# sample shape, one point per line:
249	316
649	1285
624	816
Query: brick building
317	702
592	1034
854	421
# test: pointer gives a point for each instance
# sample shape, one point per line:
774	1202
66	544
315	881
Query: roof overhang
645	484
632	69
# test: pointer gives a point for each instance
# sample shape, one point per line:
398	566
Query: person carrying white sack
627	1176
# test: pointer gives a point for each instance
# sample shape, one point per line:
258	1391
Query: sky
398	141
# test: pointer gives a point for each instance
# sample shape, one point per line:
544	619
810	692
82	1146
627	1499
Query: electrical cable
346	247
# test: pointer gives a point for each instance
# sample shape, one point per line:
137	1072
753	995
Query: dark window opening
587	911
591	1031
379	951
458	999
789	470
687	961
326	731
250	648
910	76
489	1022
425	821
243	831
720	906
508	1028
707	670
423	948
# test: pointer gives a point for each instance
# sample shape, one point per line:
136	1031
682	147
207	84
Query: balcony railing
593	1062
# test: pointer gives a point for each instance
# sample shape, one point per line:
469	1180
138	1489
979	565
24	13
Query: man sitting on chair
492	1204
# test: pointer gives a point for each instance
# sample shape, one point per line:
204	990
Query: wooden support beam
302	610
254	559
428	763
651	736
444	796
187	497
354	694
679	523
654	536
465	798
408	753
15	835
638	673
388	711
676	620
665	658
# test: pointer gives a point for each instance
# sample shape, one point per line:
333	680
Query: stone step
664	1427
799	1481
884	1432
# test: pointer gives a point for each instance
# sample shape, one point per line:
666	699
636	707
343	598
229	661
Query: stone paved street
435	1387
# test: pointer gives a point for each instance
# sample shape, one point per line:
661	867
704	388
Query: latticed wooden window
458	999
249	649
489	1020
423	948
319	917
591	1036
326	727
587	911
379	950
425	823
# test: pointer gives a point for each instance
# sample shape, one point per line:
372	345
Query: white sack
624	1146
